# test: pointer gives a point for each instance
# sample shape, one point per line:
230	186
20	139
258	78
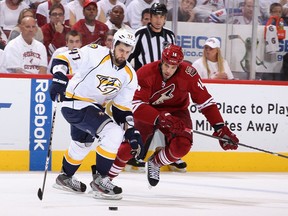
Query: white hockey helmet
124	36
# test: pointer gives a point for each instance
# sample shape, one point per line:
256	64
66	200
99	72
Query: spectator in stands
145	16
3	39
109	38
169	3
33	4
185	11
93	31
284	4
73	40
24	54
205	9
247	14
126	2
55	31
264	7
275	10
76	12
107	5
134	11
27	12
43	12
116	17
9	13
2	68
212	65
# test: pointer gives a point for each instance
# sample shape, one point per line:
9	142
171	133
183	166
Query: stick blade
40	194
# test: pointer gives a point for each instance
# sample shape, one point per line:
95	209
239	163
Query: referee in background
152	38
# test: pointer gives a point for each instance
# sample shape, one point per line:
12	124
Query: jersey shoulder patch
191	71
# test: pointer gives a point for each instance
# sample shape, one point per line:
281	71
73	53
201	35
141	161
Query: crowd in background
30	24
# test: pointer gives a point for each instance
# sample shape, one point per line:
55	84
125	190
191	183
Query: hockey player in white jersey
100	75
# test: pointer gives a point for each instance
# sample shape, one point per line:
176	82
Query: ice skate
103	188
178	166
134	165
71	184
153	172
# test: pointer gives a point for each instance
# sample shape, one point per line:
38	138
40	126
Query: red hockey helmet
172	54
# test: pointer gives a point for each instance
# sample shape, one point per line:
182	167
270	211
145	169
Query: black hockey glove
58	87
134	138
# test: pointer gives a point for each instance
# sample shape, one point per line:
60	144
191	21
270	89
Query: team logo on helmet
124	36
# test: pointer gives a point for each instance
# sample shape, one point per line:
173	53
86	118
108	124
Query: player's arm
42	70
124	117
57	89
43	62
208	107
122	114
59	68
12	60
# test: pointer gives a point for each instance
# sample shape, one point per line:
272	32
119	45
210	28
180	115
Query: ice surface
193	194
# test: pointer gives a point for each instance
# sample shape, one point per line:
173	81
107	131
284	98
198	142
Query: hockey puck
113	208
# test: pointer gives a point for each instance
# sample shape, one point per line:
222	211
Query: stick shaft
241	144
41	192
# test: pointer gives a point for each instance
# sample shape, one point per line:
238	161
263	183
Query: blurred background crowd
33	31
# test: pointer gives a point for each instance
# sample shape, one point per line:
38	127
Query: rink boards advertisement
257	111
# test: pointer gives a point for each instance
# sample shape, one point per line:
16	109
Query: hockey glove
58	87
232	140
134	138
172	123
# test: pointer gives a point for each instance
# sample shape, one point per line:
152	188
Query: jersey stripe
70	95
105	154
65	59
71	160
128	70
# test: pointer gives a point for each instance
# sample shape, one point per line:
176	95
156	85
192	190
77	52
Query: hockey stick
240	144
41	192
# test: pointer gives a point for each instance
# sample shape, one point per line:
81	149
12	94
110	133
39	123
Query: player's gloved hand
174	124
58	87
134	138
232	140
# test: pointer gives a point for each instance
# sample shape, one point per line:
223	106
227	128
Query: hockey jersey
96	79
154	95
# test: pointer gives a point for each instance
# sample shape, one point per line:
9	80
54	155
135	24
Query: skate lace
154	170
74	183
106	183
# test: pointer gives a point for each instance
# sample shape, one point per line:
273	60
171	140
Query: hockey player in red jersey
161	102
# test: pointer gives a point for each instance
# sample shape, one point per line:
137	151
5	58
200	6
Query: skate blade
130	168
64	188
100	195
175	169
